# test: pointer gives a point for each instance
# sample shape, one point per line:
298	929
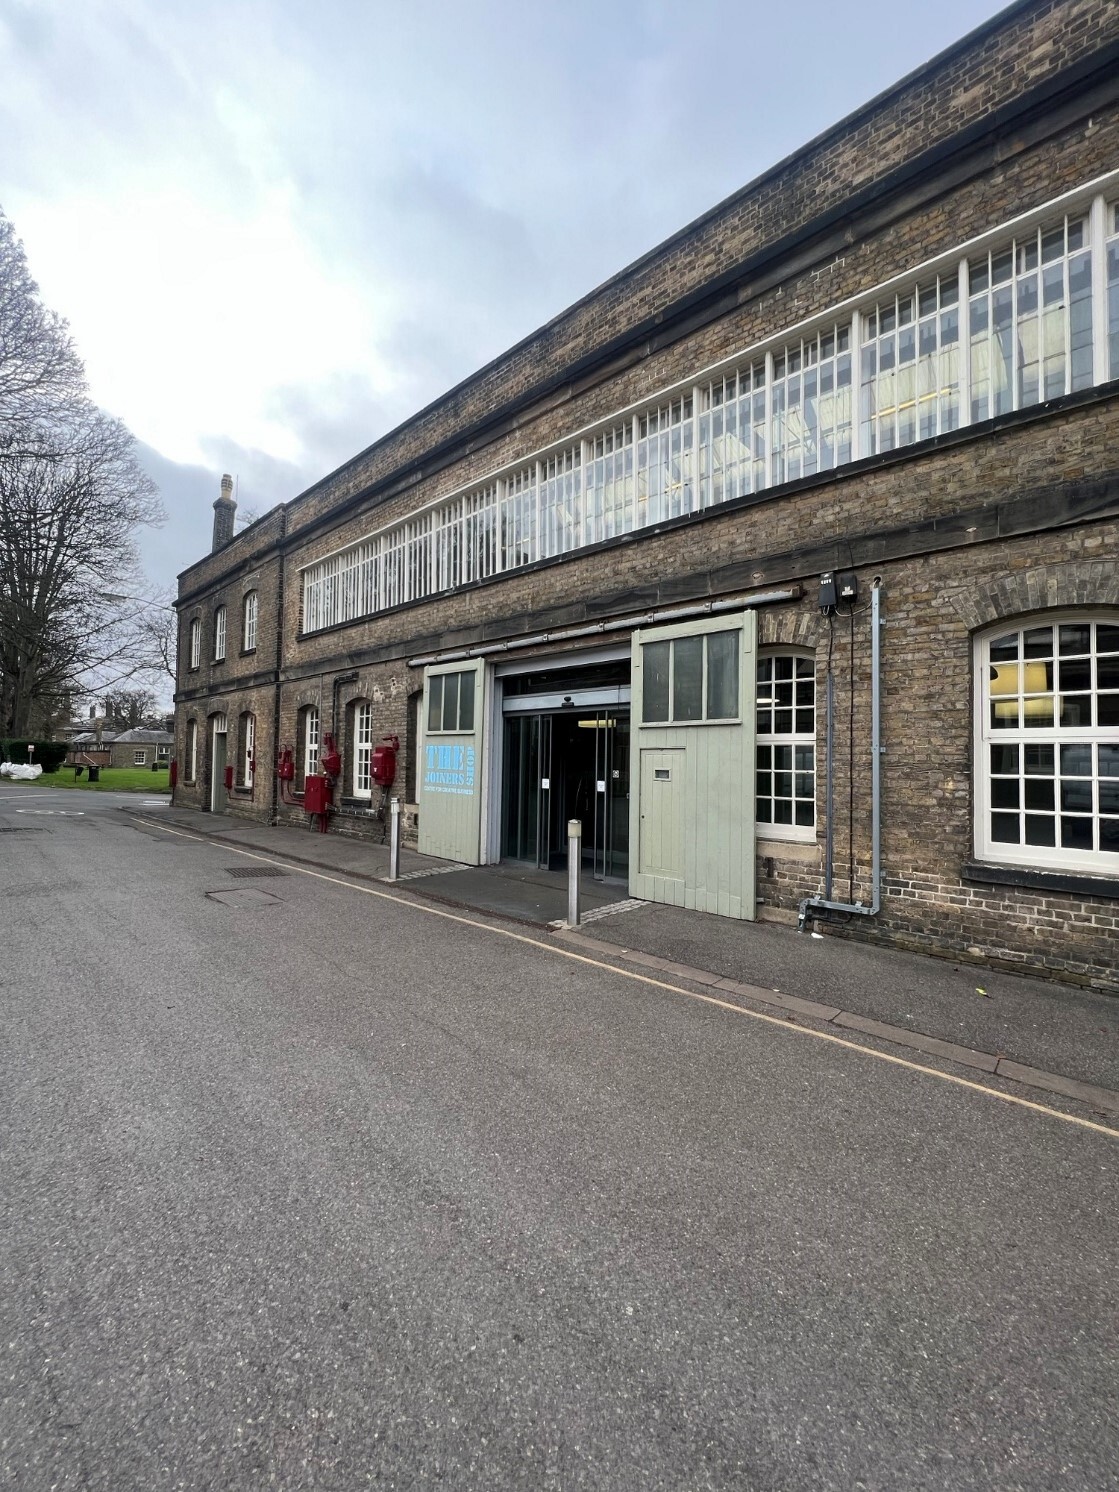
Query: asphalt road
329	1191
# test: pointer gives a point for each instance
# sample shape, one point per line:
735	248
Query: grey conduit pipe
824	903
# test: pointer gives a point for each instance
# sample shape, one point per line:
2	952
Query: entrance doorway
567	764
219	797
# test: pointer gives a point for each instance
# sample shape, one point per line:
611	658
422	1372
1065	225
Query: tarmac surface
1062	1029
312	1182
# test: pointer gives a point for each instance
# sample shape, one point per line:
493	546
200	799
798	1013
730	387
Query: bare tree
40	373
71	497
125	709
159	627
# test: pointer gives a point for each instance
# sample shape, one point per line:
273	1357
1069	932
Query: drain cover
243	872
244	896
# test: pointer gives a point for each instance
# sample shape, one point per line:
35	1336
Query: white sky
279	228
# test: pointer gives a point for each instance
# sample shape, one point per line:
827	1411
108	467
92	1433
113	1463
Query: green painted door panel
692	816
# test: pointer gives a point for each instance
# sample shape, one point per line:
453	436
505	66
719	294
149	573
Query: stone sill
1106	888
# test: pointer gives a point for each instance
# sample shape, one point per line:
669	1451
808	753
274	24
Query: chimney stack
224	510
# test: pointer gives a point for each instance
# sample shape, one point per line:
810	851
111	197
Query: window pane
1107	639
687	679
435	703
1039	793
1076	675
654	682
1040	829
1076	710
1076	796
1004	792
450	700
466	702
1076	761
1039	759
1075	639
1004	648
1076	834
1004	759
1004	828
722	675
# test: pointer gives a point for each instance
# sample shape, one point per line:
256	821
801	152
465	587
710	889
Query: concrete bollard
394	840
574	865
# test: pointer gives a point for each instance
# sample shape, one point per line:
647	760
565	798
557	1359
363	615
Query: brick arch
309	694
798	629
1089	583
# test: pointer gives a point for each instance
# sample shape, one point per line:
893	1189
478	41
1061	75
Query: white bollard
574	864
394	840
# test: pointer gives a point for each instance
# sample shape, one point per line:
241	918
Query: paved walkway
1050	1037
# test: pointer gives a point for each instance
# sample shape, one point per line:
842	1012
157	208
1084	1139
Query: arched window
1047	743
219	634
786	745
191	772
195	642
248	623
306	743
363	748
246	749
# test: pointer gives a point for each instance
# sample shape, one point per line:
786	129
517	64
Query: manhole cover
244	896
243	872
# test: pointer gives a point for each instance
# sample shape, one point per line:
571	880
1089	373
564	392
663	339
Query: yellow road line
781	1022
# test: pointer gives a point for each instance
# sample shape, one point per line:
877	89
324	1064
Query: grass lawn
113	780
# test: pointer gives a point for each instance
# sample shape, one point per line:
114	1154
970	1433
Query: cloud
277	230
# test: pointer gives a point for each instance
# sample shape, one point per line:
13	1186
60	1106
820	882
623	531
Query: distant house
90	748
140	747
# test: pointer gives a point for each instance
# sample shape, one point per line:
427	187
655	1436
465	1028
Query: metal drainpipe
824	903
276	792
342	678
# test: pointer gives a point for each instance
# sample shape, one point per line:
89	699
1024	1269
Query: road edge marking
781	1022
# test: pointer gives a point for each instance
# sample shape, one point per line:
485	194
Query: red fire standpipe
285	772
382	767
331	760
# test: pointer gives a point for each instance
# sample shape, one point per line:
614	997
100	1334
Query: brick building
630	570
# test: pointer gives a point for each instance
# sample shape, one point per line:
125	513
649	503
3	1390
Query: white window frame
363	749
248	765
219	635
195	642
311	742
1039	857
139	757
767	829
192	751
248	623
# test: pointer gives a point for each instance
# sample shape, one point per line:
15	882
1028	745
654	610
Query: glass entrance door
526	789
610	837
563	765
